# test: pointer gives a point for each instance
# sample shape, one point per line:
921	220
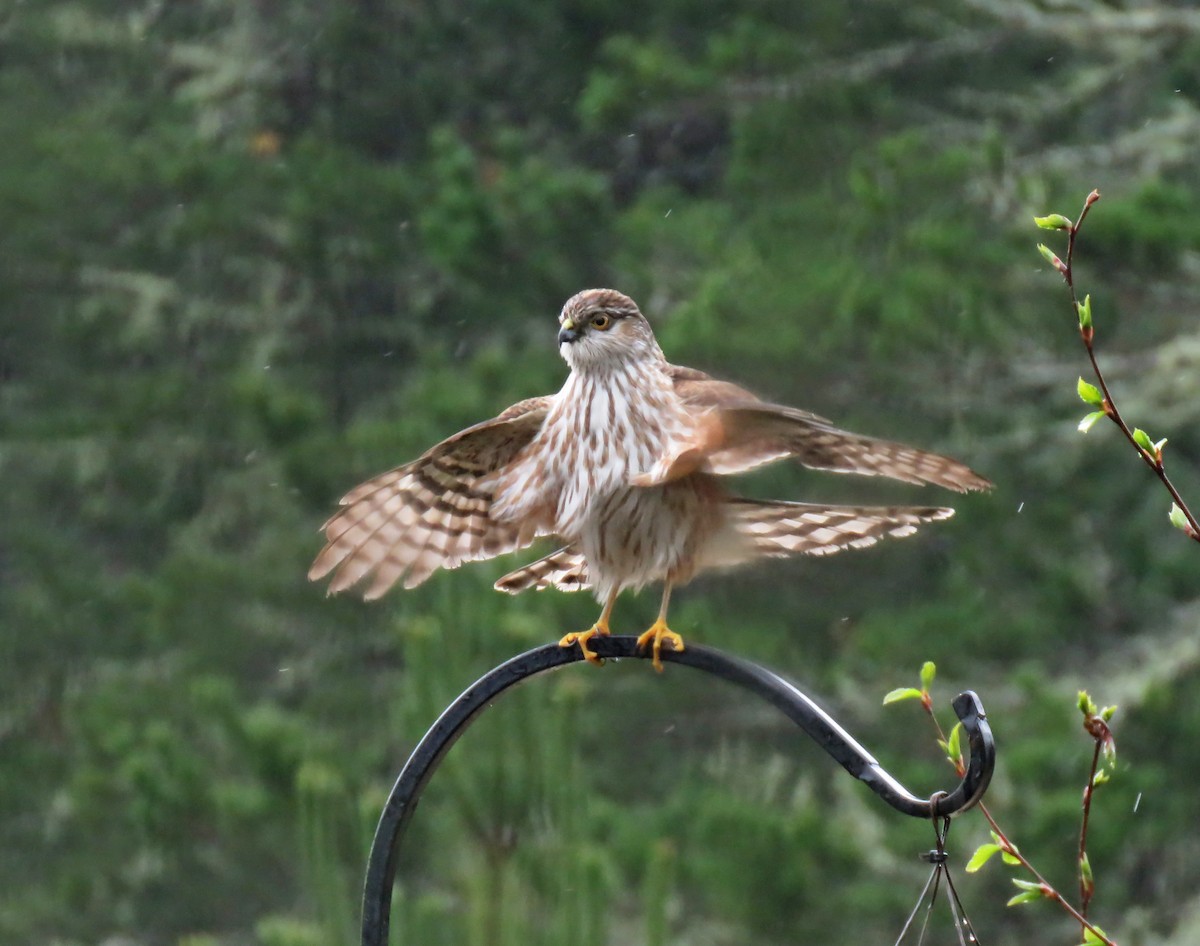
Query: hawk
626	466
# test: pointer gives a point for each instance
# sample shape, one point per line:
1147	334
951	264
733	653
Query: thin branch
1048	890
1086	885
1152	458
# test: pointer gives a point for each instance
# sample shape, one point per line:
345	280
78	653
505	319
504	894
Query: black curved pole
381	869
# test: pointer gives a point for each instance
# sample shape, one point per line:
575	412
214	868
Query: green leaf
1050	257
1085	312
1090	420
1085	871
1027	897
1053	222
1101	777
1178	519
1092	937
1008	858
928	672
1089	393
1027	884
954	747
902	693
1086	704
1142	439
983	854
1108	712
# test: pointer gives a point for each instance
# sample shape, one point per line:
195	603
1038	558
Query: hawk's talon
654	637
582	637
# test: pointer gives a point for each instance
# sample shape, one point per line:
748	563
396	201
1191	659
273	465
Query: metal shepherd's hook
824	730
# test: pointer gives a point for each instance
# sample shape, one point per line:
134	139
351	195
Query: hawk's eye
601	321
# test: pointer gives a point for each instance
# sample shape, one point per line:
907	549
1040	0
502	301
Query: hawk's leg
599	628
659	632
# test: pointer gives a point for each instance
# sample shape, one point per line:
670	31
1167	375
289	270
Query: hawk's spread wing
738	432
432	513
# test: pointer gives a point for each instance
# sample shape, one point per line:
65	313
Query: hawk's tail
565	570
778	529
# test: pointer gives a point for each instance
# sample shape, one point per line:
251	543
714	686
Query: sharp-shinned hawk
624	465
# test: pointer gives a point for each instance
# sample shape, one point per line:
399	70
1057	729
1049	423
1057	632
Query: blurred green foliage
254	253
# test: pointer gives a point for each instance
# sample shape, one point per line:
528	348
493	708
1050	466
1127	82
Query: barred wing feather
435	512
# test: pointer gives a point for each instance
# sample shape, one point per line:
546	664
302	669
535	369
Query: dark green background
254	252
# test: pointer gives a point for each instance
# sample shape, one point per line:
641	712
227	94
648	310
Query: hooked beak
568	333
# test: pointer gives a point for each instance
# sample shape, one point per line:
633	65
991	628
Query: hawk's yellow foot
600	628
654	637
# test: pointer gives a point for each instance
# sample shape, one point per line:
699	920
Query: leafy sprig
1095	723
1099	396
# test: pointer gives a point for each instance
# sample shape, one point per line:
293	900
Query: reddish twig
1087	886
1047	890
1151	454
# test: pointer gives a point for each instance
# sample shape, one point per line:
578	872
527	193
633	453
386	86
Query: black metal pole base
824	730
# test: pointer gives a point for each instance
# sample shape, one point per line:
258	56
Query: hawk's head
602	329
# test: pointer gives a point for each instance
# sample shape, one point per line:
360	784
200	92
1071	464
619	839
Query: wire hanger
939	858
